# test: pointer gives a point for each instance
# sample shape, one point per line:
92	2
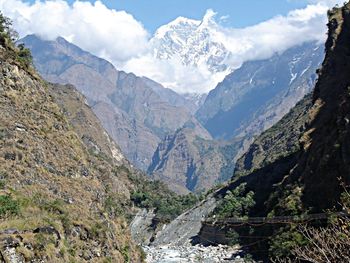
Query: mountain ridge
314	157
133	103
258	94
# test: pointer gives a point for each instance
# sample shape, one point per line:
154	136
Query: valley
99	164
158	129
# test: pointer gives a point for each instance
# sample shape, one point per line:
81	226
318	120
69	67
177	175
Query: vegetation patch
8	206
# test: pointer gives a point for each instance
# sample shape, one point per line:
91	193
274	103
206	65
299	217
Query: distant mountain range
137	112
254	97
157	129
246	103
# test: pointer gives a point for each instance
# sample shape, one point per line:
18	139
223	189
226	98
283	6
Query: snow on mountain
194	42
193	56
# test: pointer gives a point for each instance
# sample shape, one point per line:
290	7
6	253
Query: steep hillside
189	160
281	140
63	197
254	97
85	123
251	99
320	155
137	112
301	165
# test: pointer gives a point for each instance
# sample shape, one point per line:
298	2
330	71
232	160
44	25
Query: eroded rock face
190	161
186	226
246	103
57	169
312	138
136	112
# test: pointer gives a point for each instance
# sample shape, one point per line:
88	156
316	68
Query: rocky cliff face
254	97
137	112
189	160
301	164
62	194
318	156
246	103
279	141
142	116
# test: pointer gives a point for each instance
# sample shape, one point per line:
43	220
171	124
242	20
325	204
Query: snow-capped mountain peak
194	42
177	24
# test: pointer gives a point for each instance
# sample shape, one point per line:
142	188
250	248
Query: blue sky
154	13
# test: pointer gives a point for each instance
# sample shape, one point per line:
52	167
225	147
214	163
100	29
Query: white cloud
260	41
329	3
174	74
118	37
275	35
115	35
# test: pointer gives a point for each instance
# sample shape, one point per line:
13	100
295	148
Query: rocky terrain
68	193
142	116
174	242
303	155
137	112
313	135
246	103
193	254
189	160
150	122
63	197
257	95
284	170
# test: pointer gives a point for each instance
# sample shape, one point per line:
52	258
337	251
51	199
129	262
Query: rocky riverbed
192	254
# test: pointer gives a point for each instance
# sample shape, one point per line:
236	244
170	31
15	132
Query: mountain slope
321	156
189	163
189	160
279	141
58	169
171	97
257	95
309	174
145	110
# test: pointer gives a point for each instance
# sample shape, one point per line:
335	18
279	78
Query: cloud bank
112	34
118	37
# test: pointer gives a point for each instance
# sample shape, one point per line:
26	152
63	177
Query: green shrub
126	254
8	206
167	206
55	206
236	203
98	230
24	56
113	207
42	240
2	184
8	38
283	243
6	30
